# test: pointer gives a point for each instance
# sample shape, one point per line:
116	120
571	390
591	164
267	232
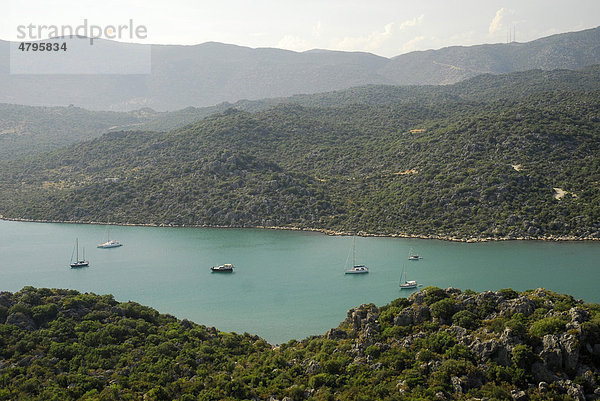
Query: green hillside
27	130
438	344
522	165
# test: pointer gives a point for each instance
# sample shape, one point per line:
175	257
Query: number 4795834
42	47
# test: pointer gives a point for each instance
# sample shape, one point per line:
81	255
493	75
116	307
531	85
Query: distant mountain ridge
456	63
211	73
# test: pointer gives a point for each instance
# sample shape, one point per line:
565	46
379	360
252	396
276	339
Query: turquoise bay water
287	284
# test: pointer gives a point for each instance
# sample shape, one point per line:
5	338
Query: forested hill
438	344
357	167
26	130
514	166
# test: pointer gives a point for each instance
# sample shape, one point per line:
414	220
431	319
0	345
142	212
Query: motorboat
110	244
226	268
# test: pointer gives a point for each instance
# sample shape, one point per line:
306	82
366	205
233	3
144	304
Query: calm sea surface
287	284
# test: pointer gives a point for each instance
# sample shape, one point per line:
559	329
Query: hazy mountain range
211	73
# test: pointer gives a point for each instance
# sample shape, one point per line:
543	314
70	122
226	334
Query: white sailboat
356	269
412	255
407	284
110	243
78	262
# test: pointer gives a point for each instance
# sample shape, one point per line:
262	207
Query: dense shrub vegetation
478	159
64	345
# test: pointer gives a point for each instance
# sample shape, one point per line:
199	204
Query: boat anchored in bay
110	243
356	269
226	268
407	284
78	262
412	255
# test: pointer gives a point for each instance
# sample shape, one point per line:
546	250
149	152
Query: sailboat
110	243
356	269
78	263
412	255
407	284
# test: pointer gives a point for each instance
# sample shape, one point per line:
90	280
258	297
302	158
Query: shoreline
323	231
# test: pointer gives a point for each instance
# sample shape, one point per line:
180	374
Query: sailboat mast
353	251
77	247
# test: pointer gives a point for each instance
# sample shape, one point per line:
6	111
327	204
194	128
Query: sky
383	27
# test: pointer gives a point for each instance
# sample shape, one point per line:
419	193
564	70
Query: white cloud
302	43
412	22
411	45
375	41
371	42
295	43
497	23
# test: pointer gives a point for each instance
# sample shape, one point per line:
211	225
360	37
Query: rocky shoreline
550	238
